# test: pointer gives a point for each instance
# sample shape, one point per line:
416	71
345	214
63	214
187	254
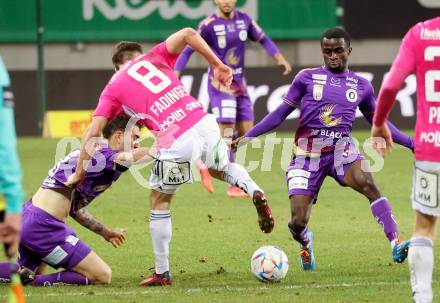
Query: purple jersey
328	103
102	172
227	38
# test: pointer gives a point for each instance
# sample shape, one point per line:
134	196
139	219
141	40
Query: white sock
421	265
236	175
161	231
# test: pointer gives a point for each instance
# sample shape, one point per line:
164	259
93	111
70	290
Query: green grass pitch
214	237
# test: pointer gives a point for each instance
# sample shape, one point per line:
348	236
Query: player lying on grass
328	97
146	87
47	239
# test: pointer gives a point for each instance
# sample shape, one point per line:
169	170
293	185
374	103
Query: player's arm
188	36
85	218
368	108
88	140
188	51
135	156
257	34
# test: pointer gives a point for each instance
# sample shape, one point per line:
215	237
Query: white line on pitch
210	289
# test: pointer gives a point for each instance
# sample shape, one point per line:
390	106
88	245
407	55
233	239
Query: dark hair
336	32
117	124
123	51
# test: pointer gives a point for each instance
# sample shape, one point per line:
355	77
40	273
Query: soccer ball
269	264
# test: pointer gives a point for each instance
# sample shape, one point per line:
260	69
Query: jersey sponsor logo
351	95
326	133
175	173
430	137
298	173
243	35
335	82
174	117
219	28
426	188
193	105
298	183
434	115
430	34
351	85
319	77
231	57
240	24
352	79
72	240
55	256
320	82
318	91
326	117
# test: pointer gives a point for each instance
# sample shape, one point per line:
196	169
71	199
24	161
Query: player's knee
297	223
102	276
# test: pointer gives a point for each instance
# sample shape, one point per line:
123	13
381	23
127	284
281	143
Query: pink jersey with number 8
147	87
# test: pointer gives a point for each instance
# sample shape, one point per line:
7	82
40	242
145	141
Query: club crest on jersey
242	35
221	41
317	91
351	95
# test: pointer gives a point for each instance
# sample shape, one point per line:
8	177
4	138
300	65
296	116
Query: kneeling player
47	239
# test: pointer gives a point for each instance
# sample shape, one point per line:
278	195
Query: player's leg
362	181
304	178
425	195
161	232
215	154
421	257
244	122
301	208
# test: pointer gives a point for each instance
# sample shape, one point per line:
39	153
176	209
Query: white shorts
426	188
173	165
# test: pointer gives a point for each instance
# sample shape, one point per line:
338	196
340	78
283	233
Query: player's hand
380	133
281	61
223	74
10	232
286	66
116	237
177	73
74	179
240	141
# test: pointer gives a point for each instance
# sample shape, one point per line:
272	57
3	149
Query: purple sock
62	277
6	268
301	237
383	214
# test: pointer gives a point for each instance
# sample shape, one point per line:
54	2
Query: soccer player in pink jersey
419	53
228	31
146	88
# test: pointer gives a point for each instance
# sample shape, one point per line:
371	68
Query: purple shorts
45	239
305	175
228	108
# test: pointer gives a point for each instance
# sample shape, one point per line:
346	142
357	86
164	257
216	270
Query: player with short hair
328	97
419	53
226	31
145	87
47	239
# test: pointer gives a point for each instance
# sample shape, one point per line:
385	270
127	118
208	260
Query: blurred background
58	52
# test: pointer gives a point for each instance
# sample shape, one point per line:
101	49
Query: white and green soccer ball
269	264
